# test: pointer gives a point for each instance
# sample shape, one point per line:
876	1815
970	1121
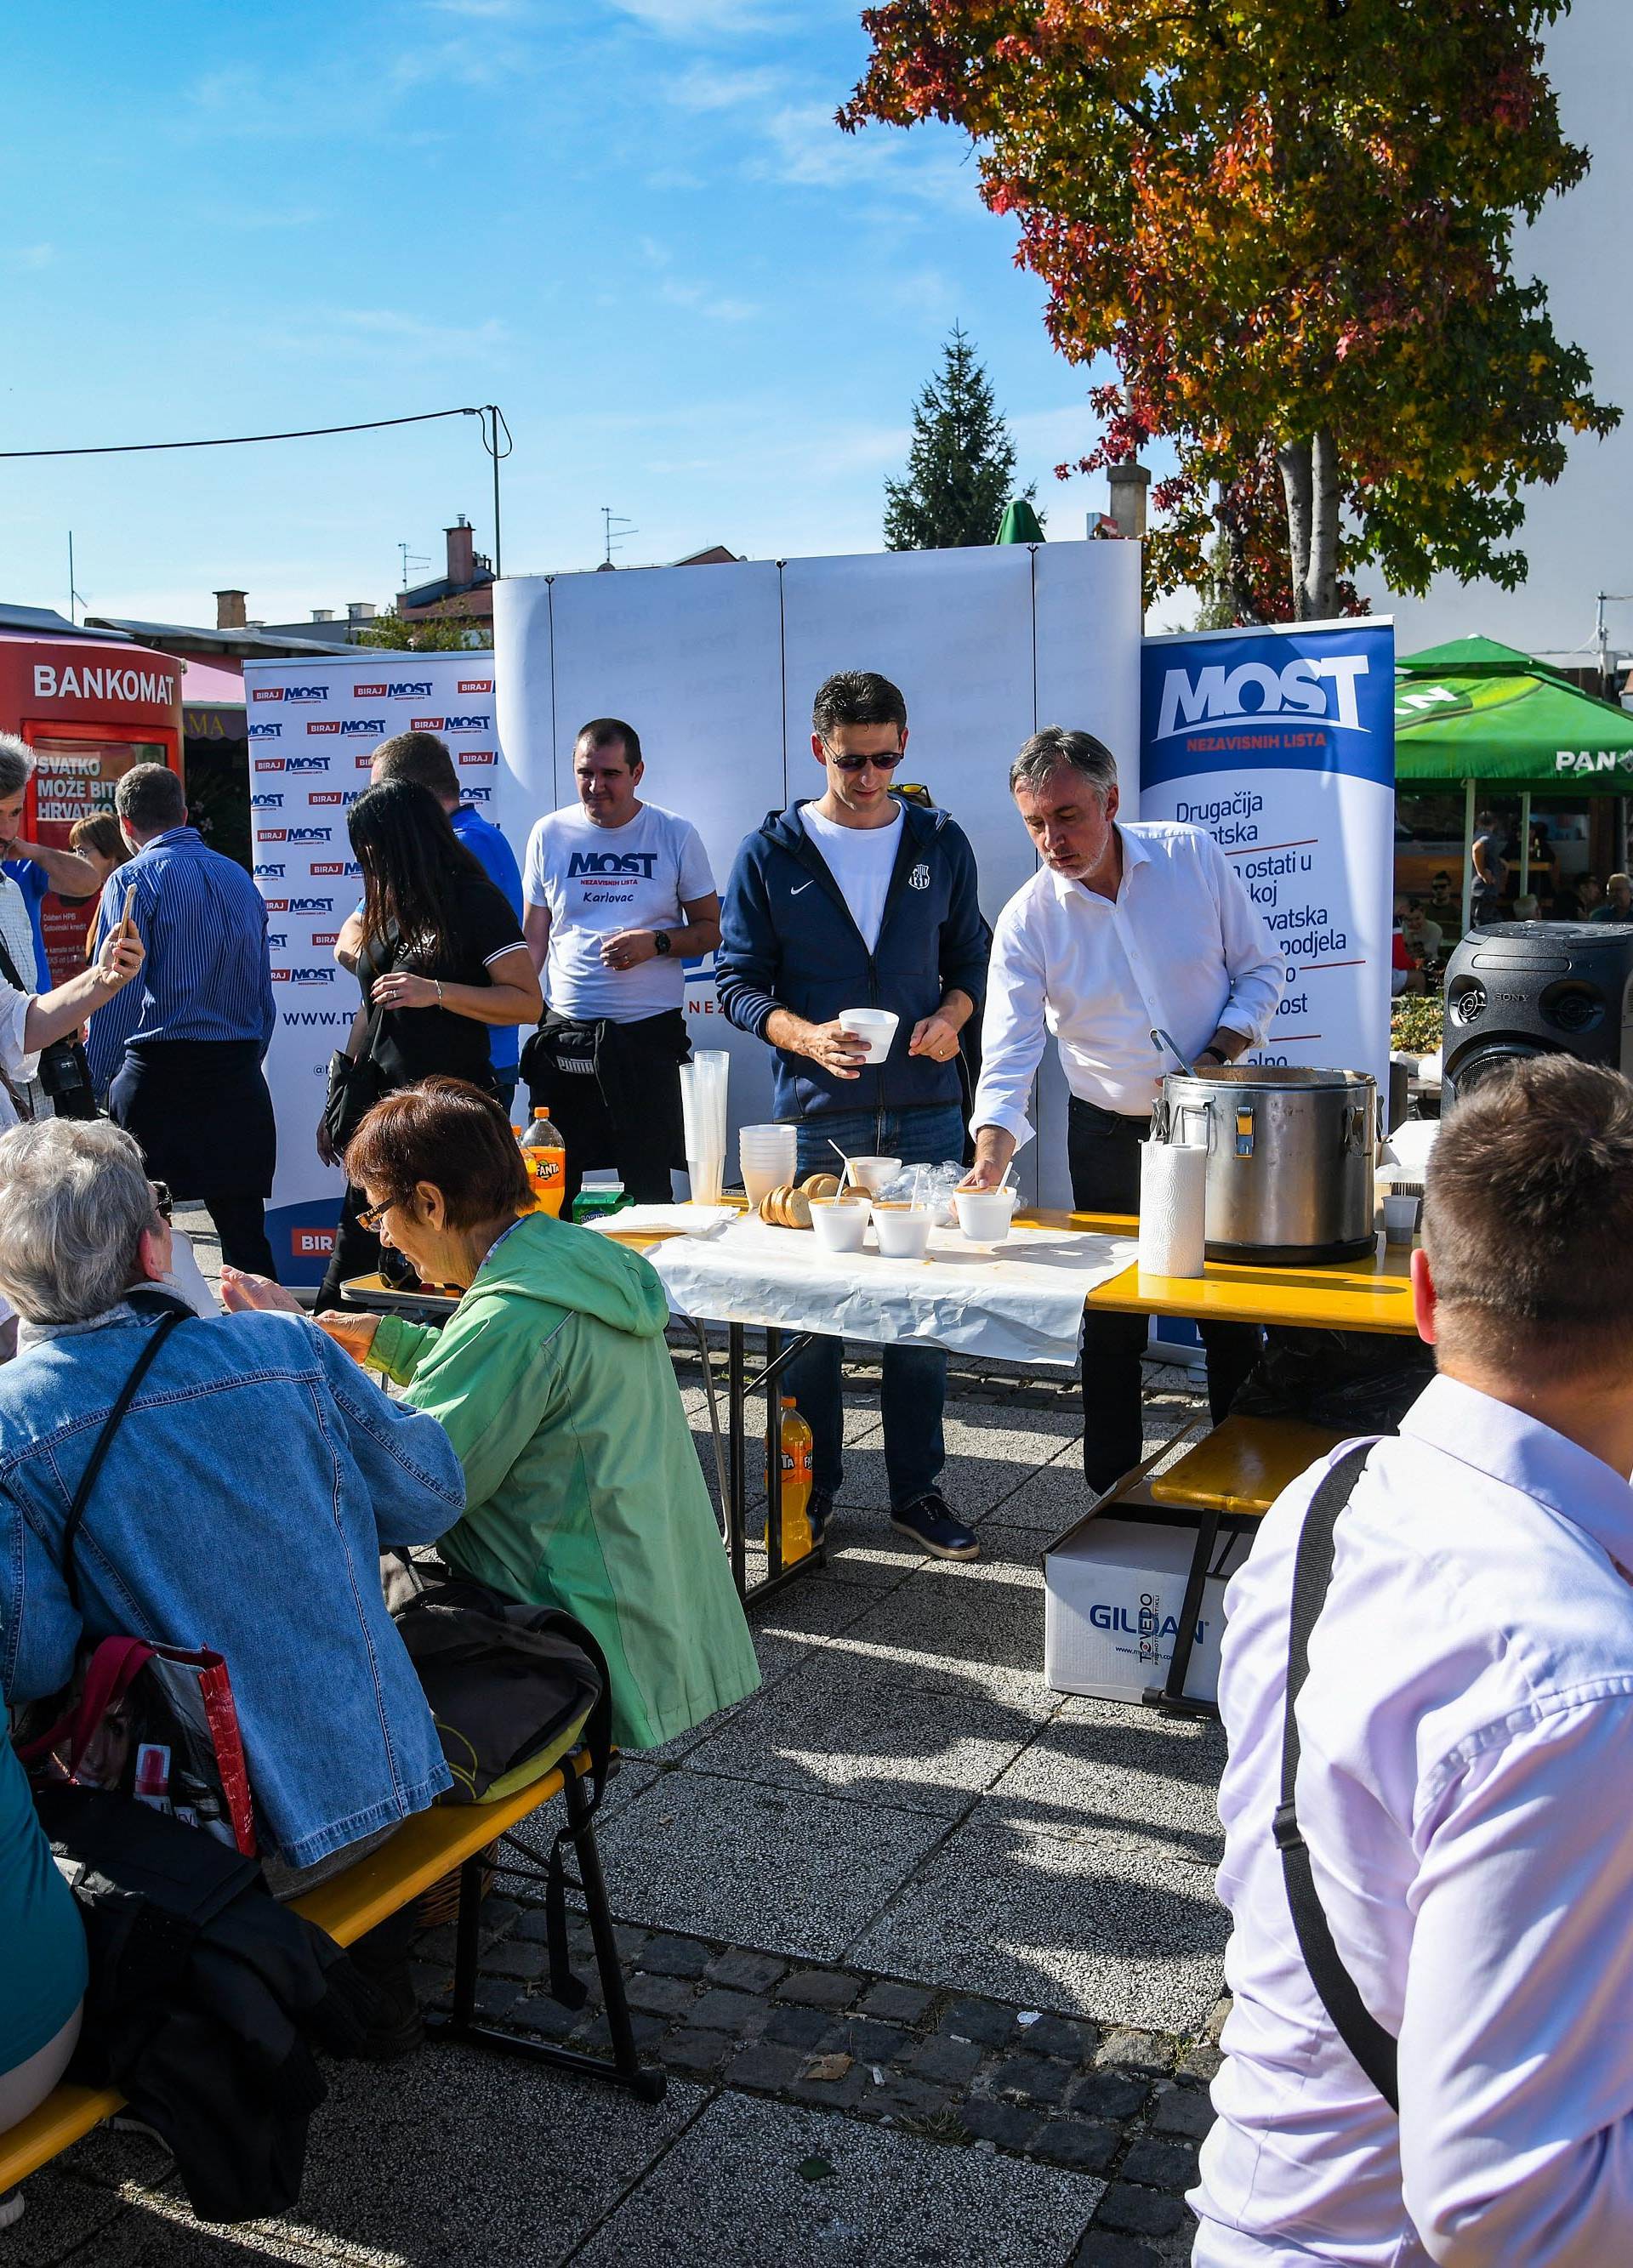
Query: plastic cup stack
703	1110
767	1157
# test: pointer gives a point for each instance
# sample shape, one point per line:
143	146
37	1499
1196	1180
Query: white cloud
704	87
30	256
688	20
716	307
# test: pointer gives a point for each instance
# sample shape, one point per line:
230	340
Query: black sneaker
930	1523
818	1513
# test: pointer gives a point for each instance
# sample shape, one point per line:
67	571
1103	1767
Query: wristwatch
1214	1052
662	941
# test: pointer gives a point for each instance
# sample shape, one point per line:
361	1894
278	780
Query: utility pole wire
240	441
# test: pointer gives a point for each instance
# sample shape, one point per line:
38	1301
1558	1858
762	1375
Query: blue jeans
914	1387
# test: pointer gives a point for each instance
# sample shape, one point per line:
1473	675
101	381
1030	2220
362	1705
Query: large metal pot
1291	1158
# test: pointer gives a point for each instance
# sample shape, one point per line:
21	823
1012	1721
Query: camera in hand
65	1075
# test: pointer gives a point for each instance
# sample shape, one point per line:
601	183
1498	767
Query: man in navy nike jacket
855	900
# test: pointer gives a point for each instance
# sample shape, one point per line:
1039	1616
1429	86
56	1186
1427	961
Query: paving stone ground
930	1953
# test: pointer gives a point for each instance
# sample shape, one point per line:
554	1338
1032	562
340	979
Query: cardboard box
1113	1589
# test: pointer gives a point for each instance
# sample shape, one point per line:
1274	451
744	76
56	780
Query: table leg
736	1510
773	1457
1170	1695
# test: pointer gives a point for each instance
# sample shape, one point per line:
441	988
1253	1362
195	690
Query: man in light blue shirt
425	759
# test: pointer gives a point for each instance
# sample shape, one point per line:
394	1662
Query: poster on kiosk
314	728
1281	742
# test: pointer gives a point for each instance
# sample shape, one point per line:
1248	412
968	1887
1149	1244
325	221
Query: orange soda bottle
544	1154
795	1457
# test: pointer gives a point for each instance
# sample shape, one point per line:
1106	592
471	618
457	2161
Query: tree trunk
1321	577
1239	579
1295	461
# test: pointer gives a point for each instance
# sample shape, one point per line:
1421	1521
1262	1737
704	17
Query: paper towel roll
1172	1233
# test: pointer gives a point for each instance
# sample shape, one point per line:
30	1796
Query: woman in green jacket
553	1380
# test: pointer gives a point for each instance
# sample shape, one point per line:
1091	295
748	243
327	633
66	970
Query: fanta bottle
544	1154
796	1442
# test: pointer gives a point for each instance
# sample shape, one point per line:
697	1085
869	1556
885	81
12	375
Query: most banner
1281	742
313	728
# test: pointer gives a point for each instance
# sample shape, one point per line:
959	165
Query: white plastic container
984	1214
876	1025
840	1223
903	1232
871	1174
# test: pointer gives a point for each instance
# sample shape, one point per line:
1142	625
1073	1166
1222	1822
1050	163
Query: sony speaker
1535	989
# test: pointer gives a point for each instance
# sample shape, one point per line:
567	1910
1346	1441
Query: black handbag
356	1084
513	1689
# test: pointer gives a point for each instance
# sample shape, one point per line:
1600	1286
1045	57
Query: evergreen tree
961	464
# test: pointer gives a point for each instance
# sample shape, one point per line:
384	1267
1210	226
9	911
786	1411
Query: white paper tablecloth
1020	1301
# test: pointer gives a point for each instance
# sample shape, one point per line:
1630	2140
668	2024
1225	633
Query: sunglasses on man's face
164	1203
885	762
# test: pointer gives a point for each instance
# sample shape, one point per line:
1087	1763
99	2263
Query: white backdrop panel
1086	617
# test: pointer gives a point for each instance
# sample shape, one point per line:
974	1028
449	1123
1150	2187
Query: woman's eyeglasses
370	1219
885	763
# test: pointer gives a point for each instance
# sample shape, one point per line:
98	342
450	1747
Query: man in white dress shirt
1125	929
1465	1747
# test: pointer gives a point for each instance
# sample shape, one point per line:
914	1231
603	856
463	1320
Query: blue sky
633	226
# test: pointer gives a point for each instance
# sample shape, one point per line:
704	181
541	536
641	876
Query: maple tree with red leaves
1291	228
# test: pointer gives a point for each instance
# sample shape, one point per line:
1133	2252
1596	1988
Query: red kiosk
89	706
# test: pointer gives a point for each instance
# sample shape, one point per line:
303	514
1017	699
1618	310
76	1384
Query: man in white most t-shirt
618	896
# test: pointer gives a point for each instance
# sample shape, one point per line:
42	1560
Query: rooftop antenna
74	596
411	558
615	528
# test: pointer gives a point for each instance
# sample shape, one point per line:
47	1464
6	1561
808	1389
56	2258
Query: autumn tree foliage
1290	225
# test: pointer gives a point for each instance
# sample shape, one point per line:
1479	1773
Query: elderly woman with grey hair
243	1503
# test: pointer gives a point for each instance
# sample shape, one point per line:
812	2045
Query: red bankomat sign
89	709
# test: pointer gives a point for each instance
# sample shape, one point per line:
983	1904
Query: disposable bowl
903	1231
840	1223
875	1025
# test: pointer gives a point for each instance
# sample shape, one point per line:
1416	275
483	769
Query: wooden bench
425	1851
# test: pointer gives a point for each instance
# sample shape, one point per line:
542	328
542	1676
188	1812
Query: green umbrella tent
1020	523
1487	715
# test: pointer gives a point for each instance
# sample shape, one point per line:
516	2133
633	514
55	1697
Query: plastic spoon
847	1177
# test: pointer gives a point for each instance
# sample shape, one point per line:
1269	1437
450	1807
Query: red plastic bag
157	1723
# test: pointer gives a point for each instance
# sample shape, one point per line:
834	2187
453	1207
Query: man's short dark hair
150	798
420	757
1528	1221
857	696
1055	746
606	732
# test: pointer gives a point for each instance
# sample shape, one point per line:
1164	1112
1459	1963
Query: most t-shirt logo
611	862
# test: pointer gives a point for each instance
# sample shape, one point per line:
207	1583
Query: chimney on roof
322	614
230	610
359	610
461	554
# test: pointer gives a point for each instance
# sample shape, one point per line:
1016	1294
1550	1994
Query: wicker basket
440	1903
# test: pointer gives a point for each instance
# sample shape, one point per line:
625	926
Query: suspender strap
1374	2049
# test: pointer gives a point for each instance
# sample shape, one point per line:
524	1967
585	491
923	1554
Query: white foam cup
840	1223
984	1214
903	1231
871	1174
876	1025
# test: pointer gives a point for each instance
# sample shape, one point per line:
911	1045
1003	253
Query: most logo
271	730
375	725
611	862
1253	691
290	693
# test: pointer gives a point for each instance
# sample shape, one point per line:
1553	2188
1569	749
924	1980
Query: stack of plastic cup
703	1109
768	1156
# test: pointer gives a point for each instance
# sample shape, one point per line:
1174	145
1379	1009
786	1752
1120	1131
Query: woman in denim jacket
244	1502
